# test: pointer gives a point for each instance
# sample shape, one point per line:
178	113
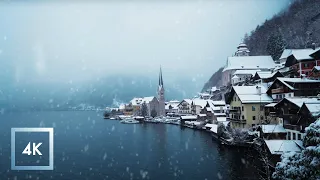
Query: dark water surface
88	147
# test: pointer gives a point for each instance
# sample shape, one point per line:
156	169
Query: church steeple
160	78
161	98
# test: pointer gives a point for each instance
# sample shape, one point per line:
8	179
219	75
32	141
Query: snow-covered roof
208	125
174	102
200	102
202	115
273	128
214	128
249	62
136	101
218	103
246	72
148	99
250	94
193	123
214	88
285	53
219	114
300	100
280	146
221	119
235	77
122	106
285	81
302	54
314	108
270	105
266	74
189	117
225	123
317	68
209	109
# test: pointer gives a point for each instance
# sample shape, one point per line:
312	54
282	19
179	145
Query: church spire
160	78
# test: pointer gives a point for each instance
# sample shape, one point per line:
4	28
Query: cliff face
215	80
296	27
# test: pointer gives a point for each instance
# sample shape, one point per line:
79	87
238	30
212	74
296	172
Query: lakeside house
184	107
171	107
290	87
247	105
242	76
272	131
242	61
295	117
277	147
266	77
301	61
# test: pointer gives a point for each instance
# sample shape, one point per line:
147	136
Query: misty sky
58	41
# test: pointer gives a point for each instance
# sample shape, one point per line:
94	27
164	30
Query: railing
244	121
294	127
277	90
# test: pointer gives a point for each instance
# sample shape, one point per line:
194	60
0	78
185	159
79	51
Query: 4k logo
31	149
35	149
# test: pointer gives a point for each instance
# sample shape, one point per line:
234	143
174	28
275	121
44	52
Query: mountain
215	80
296	27
108	91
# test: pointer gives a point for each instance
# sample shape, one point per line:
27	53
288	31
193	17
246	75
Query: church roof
249	62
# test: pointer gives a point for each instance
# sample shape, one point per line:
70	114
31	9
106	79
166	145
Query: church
152	103
161	99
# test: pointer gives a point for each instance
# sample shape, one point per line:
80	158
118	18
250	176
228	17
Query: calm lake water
88	147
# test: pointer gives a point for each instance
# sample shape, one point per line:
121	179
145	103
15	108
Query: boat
129	121
112	118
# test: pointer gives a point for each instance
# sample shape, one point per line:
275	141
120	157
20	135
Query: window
253	125
289	95
261	117
242	108
235	98
253	108
289	135
253	117
293	136
305	64
242	116
299	136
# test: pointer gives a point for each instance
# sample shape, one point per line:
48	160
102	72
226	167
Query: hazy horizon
59	42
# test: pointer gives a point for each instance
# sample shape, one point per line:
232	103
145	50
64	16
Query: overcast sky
60	41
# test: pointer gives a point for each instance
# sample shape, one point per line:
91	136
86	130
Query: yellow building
247	106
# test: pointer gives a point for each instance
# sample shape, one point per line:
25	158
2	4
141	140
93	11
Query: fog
79	41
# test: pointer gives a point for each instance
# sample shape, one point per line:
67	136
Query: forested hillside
296	27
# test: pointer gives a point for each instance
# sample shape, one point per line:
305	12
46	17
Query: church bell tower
161	98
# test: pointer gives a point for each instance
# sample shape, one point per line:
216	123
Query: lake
88	147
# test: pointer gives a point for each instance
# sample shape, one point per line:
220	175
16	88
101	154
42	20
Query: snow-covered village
269	105
160	90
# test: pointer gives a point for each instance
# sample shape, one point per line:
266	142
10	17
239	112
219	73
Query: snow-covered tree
275	45
304	165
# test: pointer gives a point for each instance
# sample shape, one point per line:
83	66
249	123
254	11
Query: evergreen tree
275	45
304	165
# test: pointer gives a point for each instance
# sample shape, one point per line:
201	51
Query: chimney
313	46
258	90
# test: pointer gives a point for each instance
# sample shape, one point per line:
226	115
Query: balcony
294	127
243	121
277	90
